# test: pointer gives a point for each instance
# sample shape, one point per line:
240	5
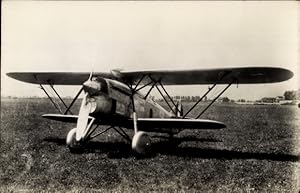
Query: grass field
259	151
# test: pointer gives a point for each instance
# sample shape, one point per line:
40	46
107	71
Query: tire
73	145
141	143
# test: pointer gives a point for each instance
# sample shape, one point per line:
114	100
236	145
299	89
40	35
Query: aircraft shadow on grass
123	150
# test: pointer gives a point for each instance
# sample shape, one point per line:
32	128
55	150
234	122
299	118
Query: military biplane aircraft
114	99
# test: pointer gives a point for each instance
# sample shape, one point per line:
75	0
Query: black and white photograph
150	96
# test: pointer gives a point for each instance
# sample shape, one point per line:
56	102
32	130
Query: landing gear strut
141	140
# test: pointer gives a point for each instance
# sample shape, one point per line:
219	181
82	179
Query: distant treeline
194	99
287	95
292	95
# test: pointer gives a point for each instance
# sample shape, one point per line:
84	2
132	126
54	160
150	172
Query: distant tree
193	99
289	95
225	100
242	100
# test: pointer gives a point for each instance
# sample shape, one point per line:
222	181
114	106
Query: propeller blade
91	74
83	118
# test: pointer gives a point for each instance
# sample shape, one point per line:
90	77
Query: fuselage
112	98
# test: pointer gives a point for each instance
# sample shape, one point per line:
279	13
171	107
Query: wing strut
165	99
233	80
170	98
154	83
149	91
73	101
57	106
207	92
63	102
50	98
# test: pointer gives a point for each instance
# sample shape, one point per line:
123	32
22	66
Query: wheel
141	143
73	145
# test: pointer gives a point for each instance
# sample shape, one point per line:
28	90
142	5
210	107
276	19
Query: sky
101	36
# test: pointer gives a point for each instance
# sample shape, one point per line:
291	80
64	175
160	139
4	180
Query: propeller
84	112
83	118
91	75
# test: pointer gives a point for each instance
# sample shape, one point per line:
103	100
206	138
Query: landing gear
73	145
141	143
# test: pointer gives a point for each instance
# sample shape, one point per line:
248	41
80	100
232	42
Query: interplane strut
73	101
50	98
205	94
203	111
154	83
68	108
63	102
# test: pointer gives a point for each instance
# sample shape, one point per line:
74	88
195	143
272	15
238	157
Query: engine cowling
102	104
98	97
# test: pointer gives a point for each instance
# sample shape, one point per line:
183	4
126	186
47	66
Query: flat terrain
259	151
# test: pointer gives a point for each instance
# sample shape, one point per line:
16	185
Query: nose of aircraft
91	87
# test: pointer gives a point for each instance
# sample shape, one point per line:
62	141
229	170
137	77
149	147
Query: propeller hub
91	87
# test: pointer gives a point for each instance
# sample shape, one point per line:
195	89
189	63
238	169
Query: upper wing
56	78
245	75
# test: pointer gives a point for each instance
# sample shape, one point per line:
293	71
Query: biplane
115	99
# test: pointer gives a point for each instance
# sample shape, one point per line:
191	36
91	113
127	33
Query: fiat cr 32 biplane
115	99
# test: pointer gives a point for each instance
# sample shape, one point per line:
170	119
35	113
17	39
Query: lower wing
63	118
152	124
148	123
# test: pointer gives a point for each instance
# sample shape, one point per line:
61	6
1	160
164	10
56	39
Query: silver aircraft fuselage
111	98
